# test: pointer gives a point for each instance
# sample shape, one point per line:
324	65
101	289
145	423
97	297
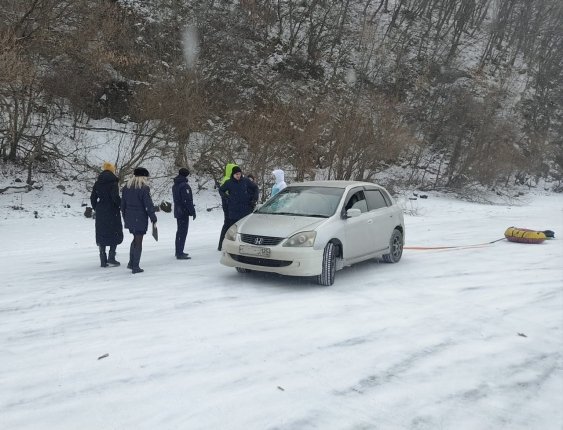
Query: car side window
375	200
357	201
387	198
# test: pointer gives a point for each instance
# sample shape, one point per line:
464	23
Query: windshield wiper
282	213
294	214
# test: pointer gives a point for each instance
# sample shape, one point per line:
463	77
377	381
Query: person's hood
279	175
107	177
228	171
179	179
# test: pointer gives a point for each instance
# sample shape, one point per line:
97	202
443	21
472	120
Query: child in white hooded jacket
280	183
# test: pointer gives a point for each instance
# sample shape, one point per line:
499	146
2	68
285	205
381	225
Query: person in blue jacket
240	193
137	207
183	209
106	202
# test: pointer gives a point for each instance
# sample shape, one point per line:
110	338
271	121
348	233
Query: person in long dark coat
225	203
183	209
241	193
106	202
137	208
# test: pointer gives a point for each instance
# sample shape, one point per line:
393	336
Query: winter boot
111	259
103	257
136	260
183	256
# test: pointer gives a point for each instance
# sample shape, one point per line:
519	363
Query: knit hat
140	171
108	166
236	169
184	172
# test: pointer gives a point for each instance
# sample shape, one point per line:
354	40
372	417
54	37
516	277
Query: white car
316	228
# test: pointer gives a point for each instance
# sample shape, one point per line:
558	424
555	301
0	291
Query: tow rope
512	234
428	248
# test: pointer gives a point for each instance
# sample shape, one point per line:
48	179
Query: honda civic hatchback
316	228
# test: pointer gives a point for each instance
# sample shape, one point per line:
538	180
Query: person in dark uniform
183	209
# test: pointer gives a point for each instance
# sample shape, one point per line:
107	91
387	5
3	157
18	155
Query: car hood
277	225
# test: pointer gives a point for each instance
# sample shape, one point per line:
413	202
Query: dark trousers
226	225
135	251
181	234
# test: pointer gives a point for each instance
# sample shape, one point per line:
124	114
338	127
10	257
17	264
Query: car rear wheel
329	265
395	247
243	270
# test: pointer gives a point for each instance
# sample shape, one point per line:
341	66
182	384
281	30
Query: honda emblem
258	240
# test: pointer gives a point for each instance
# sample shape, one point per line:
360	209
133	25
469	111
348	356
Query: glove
193	217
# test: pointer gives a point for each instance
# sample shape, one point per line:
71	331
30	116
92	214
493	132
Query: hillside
445	94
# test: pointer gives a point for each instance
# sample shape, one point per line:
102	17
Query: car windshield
320	202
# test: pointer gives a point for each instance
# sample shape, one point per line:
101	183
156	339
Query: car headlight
231	233
305	238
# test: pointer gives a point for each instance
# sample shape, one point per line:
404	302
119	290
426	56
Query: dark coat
224	201
241	196
105	201
137	207
183	199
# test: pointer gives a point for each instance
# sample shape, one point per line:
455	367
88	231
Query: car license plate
254	250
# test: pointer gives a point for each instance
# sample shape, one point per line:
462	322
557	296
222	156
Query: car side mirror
352	213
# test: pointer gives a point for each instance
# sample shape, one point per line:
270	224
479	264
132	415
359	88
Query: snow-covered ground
457	339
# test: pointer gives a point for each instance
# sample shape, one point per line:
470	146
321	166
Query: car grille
260	261
260	240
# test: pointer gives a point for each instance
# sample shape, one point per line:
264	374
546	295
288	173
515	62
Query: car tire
243	270
395	248
329	265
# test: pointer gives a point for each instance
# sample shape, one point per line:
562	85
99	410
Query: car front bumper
291	261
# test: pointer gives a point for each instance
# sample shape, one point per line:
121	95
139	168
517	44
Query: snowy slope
458	339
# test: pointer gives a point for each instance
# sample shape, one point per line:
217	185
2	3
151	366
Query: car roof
333	184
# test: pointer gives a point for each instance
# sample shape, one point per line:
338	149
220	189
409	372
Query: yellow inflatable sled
523	235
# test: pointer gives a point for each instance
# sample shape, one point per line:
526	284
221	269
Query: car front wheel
395	247
329	265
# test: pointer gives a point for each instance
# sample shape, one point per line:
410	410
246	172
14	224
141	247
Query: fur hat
184	172
236	169
141	171
108	166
